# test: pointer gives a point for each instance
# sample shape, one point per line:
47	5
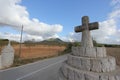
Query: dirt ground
114	52
36	51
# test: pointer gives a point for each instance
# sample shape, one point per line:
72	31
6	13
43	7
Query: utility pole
20	42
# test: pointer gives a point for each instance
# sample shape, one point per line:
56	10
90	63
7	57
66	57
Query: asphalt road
42	70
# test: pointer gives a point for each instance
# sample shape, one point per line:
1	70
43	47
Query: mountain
53	40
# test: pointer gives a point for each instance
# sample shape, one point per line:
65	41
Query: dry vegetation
36	51
114	52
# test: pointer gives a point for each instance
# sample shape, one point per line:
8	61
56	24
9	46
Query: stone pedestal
7	56
89	63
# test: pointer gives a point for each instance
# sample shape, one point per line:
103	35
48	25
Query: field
114	52
40	51
36	51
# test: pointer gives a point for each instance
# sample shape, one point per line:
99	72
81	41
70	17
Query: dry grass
42	51
28	52
114	52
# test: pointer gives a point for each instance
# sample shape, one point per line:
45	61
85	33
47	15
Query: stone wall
7	56
89	63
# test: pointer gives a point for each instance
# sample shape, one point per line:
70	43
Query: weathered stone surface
111	78
78	76
88	62
70	74
89	51
75	51
108	64
86	39
88	75
101	52
103	78
7	56
91	77
61	76
105	64
117	77
64	70
85	64
96	65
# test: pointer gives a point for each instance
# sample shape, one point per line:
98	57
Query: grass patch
19	62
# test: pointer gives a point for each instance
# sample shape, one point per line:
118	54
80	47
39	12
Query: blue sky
68	13
43	19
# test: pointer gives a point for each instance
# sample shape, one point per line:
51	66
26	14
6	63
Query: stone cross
85	29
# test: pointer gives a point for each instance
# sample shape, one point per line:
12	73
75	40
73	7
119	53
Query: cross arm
92	26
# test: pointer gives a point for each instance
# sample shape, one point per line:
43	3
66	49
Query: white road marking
38	70
25	65
22	66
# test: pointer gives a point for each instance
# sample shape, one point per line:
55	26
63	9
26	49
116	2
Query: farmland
114	52
30	51
36	51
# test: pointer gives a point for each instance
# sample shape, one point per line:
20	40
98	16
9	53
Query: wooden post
20	42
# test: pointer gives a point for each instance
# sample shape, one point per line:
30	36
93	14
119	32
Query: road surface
42	70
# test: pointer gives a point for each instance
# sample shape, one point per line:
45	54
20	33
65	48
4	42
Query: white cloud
16	37
106	32
14	15
72	37
115	3
109	29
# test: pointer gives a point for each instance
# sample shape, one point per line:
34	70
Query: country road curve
41	70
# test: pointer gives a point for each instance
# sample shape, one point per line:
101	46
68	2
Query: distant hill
53	40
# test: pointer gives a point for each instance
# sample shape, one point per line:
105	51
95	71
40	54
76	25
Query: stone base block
106	64
69	73
89	51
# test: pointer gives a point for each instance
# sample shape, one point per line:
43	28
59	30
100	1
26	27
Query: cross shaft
85	28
